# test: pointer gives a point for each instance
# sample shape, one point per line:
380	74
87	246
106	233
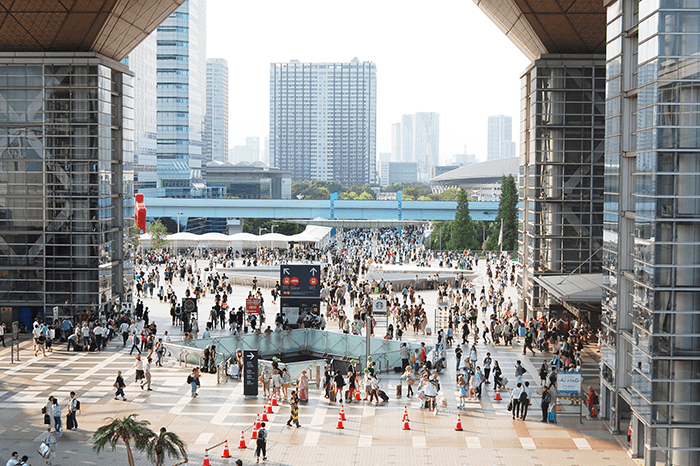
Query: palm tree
127	430
165	442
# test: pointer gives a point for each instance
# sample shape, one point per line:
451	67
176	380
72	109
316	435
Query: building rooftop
492	169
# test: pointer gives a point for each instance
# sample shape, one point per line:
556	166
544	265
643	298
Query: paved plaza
373	434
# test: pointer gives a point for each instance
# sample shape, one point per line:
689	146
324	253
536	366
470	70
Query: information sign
300	280
379	307
252	305
250	372
569	382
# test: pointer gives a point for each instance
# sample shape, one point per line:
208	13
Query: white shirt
12	462
124	327
516	393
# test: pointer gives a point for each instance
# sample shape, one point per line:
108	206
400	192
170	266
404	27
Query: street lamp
178	221
271	240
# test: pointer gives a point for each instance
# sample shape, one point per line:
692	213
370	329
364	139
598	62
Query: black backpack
189	379
523	397
77	405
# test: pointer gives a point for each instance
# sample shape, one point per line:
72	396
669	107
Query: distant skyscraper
426	143
419	137
323	120
216	121
407	154
142	61
500	143
396	142
266	151
181	97
248	153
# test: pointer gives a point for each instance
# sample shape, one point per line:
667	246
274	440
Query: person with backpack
261	443
73	407
515	400
519	371
543	373
193	381
119	385
591	402
524	400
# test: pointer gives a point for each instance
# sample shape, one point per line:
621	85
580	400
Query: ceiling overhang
109	27
539	27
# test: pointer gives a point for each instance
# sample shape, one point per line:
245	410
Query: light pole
271	241
178	221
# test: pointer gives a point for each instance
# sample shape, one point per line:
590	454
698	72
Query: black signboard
250	372
300	280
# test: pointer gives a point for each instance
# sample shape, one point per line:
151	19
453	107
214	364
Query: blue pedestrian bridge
310	209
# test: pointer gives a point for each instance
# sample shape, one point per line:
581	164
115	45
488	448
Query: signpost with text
300	291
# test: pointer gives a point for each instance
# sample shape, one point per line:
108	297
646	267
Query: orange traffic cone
269	406
498	394
226	453
255	433
405	425
264	416
405	413
206	458
274	400
340	422
342	412
459	423
357	395
241	444
257	423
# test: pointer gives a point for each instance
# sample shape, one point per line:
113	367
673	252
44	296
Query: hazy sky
442	56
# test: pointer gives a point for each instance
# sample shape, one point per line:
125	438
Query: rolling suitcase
398	391
331	395
383	395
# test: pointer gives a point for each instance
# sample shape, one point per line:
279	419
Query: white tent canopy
313	234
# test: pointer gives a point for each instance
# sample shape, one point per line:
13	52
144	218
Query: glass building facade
66	176
561	171
651	311
323	120
216	121
181	74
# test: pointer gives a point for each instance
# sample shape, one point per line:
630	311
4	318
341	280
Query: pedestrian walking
134	343
58	422
545	401
524	400
261	444
50	442
119	385
147	373
139	376
515	400
294	410
71	417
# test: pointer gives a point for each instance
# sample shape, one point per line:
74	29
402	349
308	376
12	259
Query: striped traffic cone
340	422
459	423
342	412
405	413
405	425
264	416
241	444
498	393
226	453
269	406
255	433
274	400
206	458
257	423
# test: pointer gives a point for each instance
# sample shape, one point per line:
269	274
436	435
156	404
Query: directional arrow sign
300	280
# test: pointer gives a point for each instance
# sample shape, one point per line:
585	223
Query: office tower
142	62
181	97
426	143
563	108
396	142
249	153
66	158
216	120
407	154
500	143
323	120
253	144
651	308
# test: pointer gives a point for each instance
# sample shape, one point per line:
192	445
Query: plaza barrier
308	343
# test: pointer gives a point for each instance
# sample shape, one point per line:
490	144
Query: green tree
365	196
127	430
508	215
463	232
158	233
451	194
165	442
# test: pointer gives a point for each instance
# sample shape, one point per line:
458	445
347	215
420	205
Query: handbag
44	450
510	406
47	419
504	381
